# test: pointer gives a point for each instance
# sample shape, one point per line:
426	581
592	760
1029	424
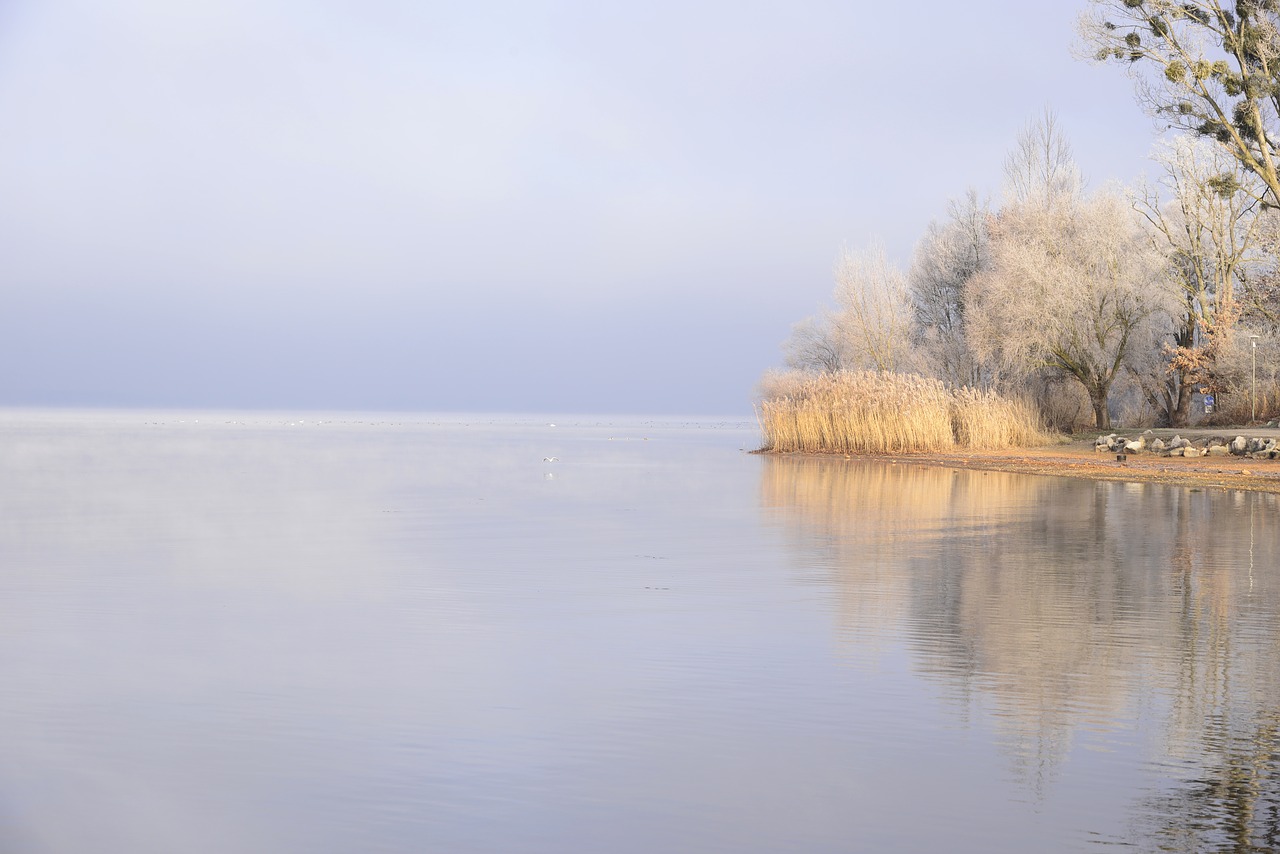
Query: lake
393	633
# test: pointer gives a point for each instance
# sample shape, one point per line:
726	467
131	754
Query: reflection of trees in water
1234	804
1225	685
859	521
1061	603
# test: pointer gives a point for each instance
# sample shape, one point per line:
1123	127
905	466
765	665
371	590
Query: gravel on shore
1079	459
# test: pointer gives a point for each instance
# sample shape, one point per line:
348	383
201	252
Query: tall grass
986	420
882	413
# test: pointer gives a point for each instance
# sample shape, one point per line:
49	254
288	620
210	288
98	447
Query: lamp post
1253	341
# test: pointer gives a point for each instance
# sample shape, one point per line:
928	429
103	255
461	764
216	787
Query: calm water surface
390	633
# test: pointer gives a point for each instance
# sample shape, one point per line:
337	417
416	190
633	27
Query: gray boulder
1238	445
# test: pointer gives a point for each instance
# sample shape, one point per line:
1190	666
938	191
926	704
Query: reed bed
985	420
872	413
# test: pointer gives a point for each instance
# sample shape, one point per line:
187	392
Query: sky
527	206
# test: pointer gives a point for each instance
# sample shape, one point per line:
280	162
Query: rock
1178	442
1176	452
1102	443
1215	440
1157	446
1238	445
1218	451
1135	446
1191	452
1262	455
1253	445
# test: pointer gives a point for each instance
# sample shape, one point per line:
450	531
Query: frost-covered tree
1209	230
1075	287
946	258
815	345
1260	291
870	325
873	311
1041	169
1204	66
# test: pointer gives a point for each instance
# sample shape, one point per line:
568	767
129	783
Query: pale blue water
303	633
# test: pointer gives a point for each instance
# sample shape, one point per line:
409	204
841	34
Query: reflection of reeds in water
864	412
877	500
987	576
1061	606
868	522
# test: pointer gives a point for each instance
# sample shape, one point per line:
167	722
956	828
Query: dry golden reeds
986	420
881	413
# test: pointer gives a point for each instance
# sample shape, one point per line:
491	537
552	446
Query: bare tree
1076	287
870	326
945	259
1209	229
1260	283
816	346
1041	170
873	315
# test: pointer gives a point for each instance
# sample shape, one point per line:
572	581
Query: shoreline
1078	459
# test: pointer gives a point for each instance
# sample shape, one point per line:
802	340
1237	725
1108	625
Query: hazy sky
500	206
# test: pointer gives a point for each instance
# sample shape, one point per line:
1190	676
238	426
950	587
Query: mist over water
229	632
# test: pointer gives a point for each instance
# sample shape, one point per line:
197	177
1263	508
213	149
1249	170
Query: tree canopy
1203	66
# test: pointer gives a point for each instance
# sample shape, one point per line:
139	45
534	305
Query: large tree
1207	67
946	258
1074	287
1211	236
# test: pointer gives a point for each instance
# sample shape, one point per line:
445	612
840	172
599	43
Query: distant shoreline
1078	459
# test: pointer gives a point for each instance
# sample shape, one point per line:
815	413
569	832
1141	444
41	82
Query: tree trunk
1101	417
1182	410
